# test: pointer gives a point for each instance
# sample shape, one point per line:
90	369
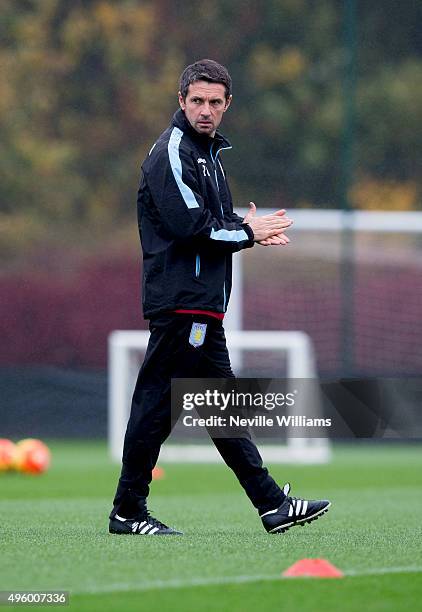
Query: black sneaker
293	511
145	525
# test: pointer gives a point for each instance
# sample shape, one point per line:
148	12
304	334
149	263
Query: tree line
86	86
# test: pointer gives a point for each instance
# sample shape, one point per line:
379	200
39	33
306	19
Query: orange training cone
313	568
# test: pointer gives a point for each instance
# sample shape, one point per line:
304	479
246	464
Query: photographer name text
259	420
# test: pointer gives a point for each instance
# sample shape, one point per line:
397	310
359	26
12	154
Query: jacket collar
203	140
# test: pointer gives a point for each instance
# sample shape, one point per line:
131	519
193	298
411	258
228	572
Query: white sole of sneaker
301	522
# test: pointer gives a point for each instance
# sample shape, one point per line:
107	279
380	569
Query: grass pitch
53	535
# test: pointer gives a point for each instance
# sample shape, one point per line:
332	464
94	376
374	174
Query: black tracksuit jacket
186	223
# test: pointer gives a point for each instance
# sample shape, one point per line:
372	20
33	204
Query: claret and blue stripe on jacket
186	222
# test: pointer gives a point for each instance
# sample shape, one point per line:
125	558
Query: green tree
86	86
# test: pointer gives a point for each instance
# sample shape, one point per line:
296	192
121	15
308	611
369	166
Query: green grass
53	535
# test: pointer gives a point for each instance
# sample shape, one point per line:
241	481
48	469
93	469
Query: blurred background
327	114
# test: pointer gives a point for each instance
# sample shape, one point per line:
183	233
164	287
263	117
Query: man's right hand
267	227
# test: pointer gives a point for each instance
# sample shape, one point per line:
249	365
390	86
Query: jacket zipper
216	177
214	162
197	265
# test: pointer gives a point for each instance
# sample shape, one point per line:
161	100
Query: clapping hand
268	229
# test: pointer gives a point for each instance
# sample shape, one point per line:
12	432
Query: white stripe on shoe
315	514
282	527
120	518
269	512
153	530
138	526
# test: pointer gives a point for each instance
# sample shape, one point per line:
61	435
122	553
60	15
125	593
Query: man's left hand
280	239
275	240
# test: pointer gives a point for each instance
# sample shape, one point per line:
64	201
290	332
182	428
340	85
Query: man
188	232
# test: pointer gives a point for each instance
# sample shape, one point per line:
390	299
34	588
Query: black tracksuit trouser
170	355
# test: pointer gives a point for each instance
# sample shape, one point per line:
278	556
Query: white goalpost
124	361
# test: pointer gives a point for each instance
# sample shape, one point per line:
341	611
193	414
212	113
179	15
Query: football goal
297	361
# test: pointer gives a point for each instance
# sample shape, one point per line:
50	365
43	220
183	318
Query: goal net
350	282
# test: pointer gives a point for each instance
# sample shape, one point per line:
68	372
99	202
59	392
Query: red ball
7	454
32	456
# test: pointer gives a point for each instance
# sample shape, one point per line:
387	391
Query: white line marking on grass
176	583
219	580
379	571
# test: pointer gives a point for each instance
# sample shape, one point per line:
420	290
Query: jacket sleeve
236	218
172	179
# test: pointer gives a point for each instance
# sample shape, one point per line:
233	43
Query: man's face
204	106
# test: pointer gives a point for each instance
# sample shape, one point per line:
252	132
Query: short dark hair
205	70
